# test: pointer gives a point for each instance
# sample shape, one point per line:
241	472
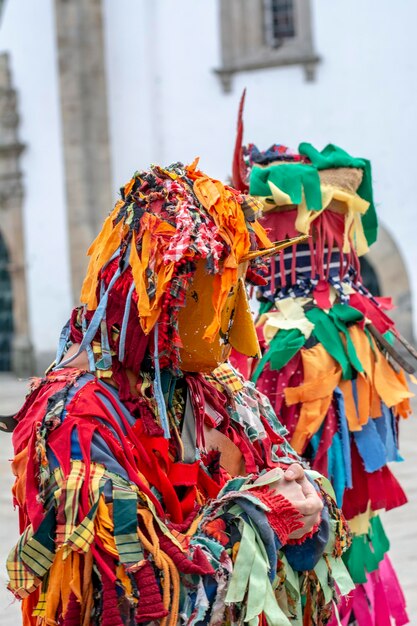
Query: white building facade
105	87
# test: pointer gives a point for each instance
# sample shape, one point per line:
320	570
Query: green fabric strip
243	566
326	332
341	575
380	541
258	583
366	551
322	573
294	179
284	345
327	329
292	585
343	315
265	306
390	337
358	558
275	616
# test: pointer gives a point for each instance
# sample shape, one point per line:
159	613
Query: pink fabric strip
393	591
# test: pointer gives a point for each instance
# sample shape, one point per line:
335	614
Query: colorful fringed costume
135	480
329	366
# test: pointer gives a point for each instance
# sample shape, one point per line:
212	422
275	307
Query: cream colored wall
166	103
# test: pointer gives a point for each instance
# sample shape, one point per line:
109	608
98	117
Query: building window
278	22
257	34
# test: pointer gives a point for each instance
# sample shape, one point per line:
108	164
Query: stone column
11	223
82	80
386	260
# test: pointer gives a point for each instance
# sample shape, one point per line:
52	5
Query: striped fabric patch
40	609
21	581
82	536
39	551
224	376
125	503
68	503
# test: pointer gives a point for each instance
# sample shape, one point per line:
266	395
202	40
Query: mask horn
239	169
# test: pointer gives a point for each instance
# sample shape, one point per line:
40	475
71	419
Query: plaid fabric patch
125	503
21	580
40	608
224	376
31	559
251	208
83	535
67	503
38	552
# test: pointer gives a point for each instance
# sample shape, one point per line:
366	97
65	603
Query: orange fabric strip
322	374
363	388
350	405
392	390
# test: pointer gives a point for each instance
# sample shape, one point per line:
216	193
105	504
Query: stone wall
85	135
11	199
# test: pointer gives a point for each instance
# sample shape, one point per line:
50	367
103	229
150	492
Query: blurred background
92	90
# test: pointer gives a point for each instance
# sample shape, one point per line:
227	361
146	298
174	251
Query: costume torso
101	469
145	506
329	364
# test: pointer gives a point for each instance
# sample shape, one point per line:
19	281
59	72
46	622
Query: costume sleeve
98	541
100	524
113	555
95	521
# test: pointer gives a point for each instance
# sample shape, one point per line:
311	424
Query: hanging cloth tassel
94	324
106	361
122	340
159	396
62	343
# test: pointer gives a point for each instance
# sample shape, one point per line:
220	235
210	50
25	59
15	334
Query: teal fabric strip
38	552
125	525
214	548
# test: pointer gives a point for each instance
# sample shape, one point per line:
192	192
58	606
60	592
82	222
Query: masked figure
329	365
154	484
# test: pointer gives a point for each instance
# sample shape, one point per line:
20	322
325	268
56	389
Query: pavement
400	524
12	394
